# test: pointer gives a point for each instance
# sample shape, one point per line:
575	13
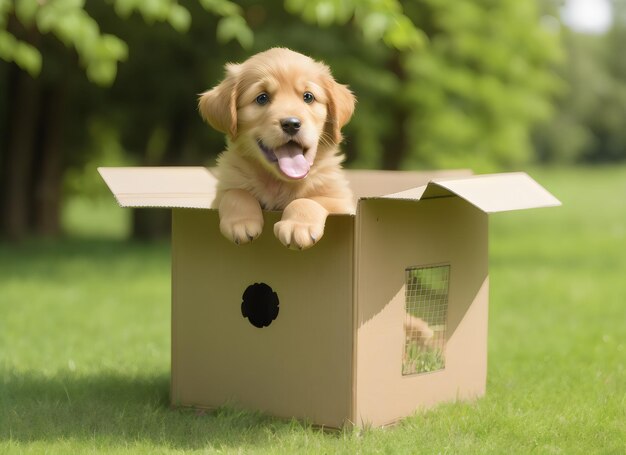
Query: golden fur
249	173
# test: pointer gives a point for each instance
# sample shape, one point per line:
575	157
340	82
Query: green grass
84	345
419	359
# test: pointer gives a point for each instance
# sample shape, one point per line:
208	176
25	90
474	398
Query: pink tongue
291	160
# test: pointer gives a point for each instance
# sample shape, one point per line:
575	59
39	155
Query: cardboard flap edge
490	193
493	193
164	187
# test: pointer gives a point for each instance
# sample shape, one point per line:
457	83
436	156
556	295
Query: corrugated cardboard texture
301	364
191	187
394	235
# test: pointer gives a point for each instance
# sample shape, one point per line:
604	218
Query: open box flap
179	187
374	183
195	187
490	193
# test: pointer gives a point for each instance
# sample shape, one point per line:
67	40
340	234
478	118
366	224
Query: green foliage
438	83
379	20
155	11
14	50
468	97
422	360
481	84
100	53
68	21
221	7
105	150
23	54
235	28
590	115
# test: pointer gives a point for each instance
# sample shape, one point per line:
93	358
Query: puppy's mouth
289	157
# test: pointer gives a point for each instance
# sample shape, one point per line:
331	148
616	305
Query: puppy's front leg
302	224
241	218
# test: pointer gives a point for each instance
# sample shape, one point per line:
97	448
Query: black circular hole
259	304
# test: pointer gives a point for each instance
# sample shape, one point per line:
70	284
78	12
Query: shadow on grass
116	410
103	407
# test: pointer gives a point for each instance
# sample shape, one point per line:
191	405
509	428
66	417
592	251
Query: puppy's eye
262	99
308	97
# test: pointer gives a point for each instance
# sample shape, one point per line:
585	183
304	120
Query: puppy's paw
302	224
298	235
241	218
241	230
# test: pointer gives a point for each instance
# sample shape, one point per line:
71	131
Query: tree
433	77
590	111
67	34
484	82
70	32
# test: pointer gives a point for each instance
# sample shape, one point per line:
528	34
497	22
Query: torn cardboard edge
195	187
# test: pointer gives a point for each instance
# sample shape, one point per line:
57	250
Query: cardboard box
385	315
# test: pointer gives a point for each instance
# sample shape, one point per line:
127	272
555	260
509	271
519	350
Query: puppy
282	113
418	332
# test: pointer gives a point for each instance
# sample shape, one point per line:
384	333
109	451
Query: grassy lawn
84	344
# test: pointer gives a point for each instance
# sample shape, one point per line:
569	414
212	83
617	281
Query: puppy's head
280	108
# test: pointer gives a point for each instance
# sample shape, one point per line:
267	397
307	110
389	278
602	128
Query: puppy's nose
290	125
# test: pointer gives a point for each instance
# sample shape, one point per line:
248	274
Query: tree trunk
395	145
47	188
18	160
151	224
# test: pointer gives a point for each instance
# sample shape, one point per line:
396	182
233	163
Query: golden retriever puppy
417	331
282	113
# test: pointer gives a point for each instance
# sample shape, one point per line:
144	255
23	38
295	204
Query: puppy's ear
340	108
218	106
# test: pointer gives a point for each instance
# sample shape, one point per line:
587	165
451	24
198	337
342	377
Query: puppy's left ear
341	103
218	106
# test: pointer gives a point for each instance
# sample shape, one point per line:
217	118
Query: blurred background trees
484	84
590	109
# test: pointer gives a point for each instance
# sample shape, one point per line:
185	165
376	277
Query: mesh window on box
426	297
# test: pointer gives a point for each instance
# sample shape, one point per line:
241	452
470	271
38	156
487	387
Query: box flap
195	187
371	183
490	193
180	187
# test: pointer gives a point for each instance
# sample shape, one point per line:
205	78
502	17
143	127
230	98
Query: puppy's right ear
218	106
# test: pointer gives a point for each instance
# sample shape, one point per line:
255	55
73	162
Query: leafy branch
99	53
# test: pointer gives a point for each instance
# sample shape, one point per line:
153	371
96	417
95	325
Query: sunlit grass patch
422	360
